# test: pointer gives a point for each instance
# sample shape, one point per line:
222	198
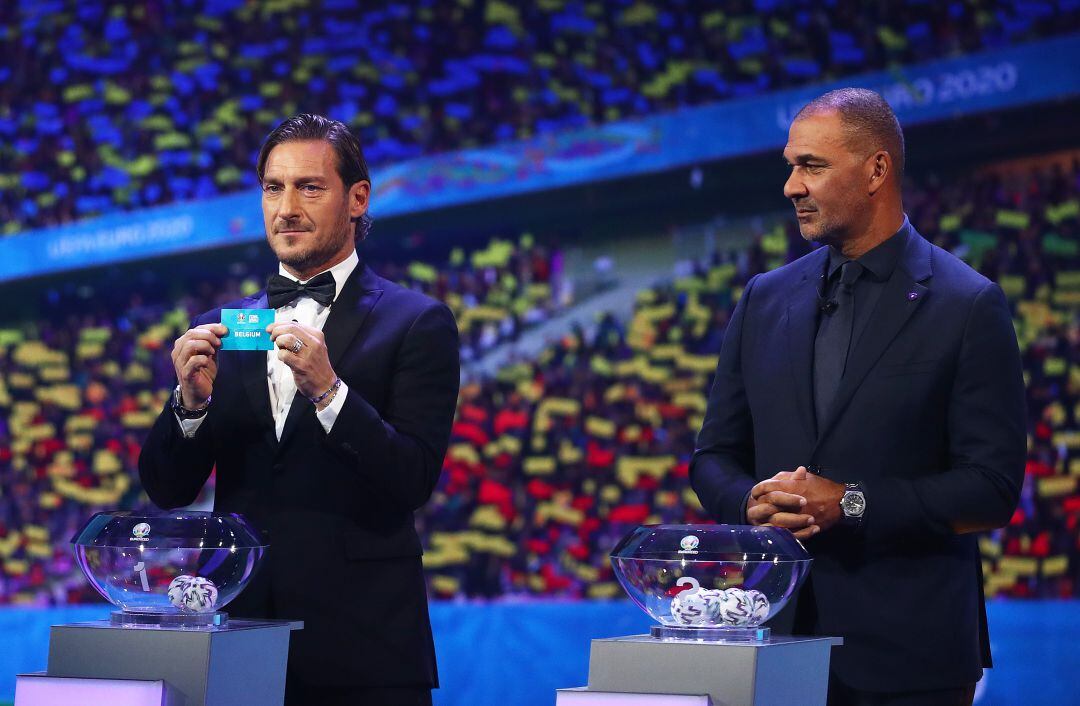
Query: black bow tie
282	290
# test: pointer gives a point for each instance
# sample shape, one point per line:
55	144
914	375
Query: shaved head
869	123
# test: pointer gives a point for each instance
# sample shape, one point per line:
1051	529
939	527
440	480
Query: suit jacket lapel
903	294
347	314
253	374
801	320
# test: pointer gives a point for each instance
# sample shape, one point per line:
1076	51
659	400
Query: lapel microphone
825	306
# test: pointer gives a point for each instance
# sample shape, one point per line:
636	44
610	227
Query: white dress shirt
279	377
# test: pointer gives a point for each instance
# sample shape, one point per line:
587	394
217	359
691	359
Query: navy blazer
929	417
337	508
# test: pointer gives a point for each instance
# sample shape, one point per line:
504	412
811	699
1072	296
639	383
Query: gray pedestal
780	672
241	663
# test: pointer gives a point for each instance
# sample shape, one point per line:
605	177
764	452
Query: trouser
842	695
300	693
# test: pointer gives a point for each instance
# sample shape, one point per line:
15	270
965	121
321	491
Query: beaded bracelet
323	396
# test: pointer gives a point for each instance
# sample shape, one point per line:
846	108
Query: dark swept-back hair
351	165
868	118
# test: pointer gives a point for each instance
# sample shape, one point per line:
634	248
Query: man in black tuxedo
329	443
869	397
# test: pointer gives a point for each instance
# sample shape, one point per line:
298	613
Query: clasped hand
797	500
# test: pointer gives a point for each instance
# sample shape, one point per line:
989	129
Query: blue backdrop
518	653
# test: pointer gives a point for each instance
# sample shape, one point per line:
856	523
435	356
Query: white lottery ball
713	598
759	607
735	607
690	608
200	595
176	589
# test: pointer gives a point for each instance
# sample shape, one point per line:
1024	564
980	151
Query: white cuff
328	415
189	426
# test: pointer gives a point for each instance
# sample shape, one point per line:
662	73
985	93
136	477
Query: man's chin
296	259
810	232
302	255
816	233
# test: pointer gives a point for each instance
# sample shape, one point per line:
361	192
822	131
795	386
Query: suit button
348	447
278	468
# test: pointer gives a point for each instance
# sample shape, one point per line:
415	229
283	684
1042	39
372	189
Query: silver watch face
853	504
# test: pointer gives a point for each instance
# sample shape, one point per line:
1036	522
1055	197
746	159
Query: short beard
302	262
826	233
307	260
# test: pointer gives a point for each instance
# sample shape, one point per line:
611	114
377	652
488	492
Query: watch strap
183	412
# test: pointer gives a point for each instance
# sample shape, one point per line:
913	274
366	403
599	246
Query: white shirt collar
340	271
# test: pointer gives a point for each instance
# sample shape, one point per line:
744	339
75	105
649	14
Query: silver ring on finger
296	346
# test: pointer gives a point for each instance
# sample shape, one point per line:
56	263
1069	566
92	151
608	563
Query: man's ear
359	193
879	171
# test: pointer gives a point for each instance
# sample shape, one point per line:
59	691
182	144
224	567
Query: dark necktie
282	290
834	341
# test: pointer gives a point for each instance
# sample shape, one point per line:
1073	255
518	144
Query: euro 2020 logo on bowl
140	532
689	543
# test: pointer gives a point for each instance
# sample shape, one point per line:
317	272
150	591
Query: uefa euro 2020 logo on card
247	329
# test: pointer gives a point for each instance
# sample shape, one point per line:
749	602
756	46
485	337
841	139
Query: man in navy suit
869	397
329	443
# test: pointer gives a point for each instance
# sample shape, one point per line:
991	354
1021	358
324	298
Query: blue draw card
247	329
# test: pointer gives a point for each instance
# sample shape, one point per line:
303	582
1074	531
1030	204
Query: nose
794	187
289	205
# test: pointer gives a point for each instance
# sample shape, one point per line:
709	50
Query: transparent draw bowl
175	569
710	582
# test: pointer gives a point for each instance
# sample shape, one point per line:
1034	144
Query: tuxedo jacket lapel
347	315
903	294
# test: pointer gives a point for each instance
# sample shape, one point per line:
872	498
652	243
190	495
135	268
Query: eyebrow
297	180
806	158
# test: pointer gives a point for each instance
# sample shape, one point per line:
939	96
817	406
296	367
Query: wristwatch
183	412
853	505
